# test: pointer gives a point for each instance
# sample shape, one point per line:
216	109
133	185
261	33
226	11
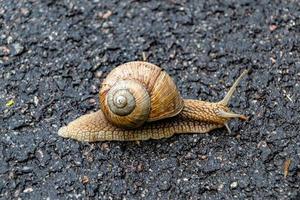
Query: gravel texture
54	54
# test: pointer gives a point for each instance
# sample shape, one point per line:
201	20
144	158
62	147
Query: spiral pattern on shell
128	97
121	101
136	92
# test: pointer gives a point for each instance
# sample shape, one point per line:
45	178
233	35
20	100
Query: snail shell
136	92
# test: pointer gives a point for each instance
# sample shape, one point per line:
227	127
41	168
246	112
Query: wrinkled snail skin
195	117
192	119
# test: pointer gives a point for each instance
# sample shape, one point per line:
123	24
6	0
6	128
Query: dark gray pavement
54	54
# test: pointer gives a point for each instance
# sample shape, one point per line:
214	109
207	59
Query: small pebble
104	147
25	11
272	27
16	49
85	180
4	51
27	190
98	74
233	185
92	101
27	169
140	167
273	60
94	89
105	15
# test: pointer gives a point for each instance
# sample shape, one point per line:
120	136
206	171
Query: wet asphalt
54	55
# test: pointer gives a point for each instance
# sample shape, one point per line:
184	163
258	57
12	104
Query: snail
140	101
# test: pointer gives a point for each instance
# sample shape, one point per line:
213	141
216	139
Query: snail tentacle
229	94
228	114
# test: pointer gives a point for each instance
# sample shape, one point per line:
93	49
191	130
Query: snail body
140	101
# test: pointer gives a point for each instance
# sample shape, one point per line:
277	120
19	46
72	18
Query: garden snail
140	101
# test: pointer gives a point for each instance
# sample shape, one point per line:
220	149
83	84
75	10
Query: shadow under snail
140	101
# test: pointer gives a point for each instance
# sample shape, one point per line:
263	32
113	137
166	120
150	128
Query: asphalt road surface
54	55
